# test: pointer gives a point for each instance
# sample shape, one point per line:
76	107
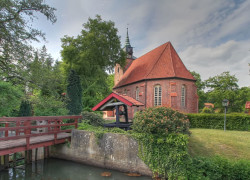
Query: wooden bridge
19	134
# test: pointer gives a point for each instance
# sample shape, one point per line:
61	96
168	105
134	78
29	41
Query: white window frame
183	95
157	95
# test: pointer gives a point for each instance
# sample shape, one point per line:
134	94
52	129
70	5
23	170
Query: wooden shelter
118	103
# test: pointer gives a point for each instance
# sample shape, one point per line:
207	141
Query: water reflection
57	169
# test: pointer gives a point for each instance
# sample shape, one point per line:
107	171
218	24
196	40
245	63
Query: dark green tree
74	94
17	33
92	54
25	109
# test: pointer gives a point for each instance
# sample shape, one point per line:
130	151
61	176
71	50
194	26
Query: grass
233	145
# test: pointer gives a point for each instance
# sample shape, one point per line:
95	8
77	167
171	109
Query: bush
92	118
240	122
160	121
218	168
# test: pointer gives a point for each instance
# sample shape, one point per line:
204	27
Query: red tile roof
122	98
161	62
247	105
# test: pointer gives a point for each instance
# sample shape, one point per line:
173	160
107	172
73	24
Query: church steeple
127	43
128	48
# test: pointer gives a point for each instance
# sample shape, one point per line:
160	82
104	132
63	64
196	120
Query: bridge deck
26	133
33	140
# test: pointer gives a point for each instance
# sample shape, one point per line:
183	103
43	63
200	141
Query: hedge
218	168
240	122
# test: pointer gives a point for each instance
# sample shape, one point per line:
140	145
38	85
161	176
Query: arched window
137	93
183	96
125	91
157	95
118	69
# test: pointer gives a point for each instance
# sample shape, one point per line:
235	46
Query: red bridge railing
27	127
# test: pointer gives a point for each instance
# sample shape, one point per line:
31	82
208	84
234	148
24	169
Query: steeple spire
127	43
128	48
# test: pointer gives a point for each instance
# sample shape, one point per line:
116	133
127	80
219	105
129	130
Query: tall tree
25	109
91	54
223	86
74	94
16	33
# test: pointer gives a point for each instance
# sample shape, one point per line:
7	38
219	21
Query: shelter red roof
161	62
247	105
122	98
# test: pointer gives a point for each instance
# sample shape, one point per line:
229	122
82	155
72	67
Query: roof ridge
158	59
172	59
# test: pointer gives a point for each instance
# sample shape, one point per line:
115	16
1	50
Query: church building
158	78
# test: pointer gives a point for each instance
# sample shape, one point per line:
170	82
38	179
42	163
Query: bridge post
14	160
6	161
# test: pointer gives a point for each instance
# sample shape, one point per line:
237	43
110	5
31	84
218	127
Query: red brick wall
171	94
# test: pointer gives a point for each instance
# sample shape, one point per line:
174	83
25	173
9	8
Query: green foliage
48	106
207	110
92	118
45	75
160	121
25	109
10	98
17	33
74	94
165	155
218	168
239	122
92	54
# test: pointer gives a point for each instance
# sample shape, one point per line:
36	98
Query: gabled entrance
117	102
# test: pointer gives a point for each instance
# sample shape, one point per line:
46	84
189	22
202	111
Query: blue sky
210	36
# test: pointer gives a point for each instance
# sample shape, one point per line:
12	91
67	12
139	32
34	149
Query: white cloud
211	36
231	56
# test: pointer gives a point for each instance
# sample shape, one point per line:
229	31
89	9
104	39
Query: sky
210	36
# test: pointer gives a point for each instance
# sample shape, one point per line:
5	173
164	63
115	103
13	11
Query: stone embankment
112	151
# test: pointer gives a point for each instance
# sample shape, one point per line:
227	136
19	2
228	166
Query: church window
118	69
125	91
137	93
183	96
157	95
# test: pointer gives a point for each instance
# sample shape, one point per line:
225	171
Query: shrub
240	122
160	121
218	168
161	133
92	118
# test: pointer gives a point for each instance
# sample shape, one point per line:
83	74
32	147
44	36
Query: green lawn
211	142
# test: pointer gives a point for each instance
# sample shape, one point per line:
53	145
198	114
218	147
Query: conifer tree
25	109
74	94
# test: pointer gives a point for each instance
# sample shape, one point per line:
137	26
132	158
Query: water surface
57	169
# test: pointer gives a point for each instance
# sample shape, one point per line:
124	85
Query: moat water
57	169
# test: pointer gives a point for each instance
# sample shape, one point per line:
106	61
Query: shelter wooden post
117	114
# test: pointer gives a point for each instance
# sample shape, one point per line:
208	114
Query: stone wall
112	151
